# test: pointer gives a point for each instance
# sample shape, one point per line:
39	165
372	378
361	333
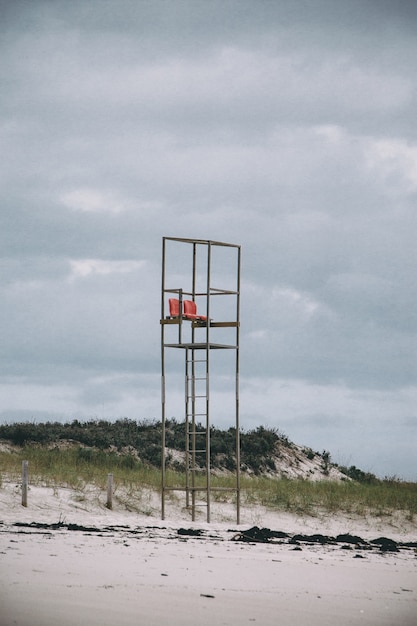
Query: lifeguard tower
200	316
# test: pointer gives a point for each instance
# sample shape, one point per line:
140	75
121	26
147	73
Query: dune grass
379	498
74	467
77	467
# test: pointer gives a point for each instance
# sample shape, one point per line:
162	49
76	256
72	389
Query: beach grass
379	498
77	467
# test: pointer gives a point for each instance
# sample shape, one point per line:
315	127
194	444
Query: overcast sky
288	127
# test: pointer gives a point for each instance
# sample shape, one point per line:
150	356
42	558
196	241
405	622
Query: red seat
190	311
174	307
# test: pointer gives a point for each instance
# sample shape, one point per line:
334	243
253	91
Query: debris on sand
265	535
259	535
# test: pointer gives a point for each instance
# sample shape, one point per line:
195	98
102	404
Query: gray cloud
286	127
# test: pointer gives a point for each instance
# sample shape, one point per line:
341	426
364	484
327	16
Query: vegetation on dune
144	437
79	453
379	497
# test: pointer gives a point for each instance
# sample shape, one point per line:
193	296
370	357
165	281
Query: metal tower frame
195	338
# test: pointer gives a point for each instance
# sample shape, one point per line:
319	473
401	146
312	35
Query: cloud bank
288	128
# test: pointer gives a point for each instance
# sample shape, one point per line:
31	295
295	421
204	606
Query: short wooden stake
109	503
25	474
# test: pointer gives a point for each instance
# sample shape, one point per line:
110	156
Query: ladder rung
198	504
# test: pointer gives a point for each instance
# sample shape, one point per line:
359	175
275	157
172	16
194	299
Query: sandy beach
66	559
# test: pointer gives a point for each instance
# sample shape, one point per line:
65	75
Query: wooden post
109	503
24	483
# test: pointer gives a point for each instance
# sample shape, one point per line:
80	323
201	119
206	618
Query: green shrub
356	474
